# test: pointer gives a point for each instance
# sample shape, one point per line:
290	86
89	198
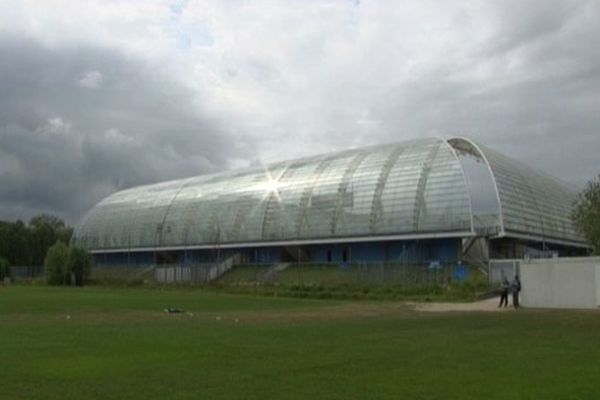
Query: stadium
416	202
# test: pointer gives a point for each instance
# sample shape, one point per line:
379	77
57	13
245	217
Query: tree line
27	243
43	241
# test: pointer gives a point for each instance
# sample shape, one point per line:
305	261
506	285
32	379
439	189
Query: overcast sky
97	96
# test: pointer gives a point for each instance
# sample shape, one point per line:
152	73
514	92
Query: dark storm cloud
78	123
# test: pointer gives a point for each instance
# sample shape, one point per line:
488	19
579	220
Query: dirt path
489	305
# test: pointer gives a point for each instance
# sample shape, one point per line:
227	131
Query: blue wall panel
410	252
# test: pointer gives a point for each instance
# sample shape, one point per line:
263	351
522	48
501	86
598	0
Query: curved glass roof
411	189
532	204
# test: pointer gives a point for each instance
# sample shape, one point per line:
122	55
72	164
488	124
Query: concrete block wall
561	283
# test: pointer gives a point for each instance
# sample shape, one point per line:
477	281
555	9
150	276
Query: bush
57	264
475	284
4	268
63	261
79	265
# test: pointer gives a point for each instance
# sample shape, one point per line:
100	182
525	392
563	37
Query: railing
345	274
27	272
195	273
326	274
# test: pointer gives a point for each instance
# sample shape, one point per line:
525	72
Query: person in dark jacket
504	292
515	288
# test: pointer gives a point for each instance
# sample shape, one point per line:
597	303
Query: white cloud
90	79
55	126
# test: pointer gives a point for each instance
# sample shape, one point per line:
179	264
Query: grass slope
118	343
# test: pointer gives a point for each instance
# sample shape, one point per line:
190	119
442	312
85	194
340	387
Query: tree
23	244
63	262
79	265
41	238
4	268
57	264
57	225
586	213
5	239
18	245
46	230
46	219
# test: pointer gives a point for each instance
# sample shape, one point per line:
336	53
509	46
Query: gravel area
488	305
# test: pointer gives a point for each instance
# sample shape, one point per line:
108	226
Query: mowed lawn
106	343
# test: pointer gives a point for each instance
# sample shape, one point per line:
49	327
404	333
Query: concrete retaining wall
561	283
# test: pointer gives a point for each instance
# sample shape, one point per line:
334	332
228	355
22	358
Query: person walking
504	292
516	288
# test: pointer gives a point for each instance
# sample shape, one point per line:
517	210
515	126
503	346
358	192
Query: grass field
101	343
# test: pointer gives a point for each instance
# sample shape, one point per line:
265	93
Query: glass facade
531	203
411	188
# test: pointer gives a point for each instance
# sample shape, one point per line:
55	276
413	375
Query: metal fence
27	272
326	274
336	274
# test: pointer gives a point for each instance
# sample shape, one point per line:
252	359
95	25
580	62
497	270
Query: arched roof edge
480	152
462	170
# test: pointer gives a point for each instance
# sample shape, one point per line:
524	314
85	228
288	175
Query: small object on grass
68	317
218	318
172	310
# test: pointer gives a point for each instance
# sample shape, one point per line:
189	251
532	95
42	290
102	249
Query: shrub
468	289
56	263
79	264
63	262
